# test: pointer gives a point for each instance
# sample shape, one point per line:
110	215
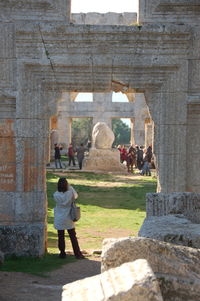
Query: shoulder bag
75	212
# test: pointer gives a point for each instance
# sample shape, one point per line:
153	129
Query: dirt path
24	287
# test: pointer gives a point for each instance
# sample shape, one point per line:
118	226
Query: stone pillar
140	113
48	157
132	140
148	132
170	132
65	130
108	121
193	116
102	114
23	229
193	144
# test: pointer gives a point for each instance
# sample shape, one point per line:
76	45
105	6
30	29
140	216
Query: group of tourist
137	156
71	152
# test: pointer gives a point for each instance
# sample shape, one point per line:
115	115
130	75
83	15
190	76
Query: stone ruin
102	157
141	269
173	218
102	109
43	56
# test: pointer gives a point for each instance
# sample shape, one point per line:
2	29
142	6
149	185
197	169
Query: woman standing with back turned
64	196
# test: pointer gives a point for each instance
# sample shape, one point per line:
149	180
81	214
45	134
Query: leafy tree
121	131
81	130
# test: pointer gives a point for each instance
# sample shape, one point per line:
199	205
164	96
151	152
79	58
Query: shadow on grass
91	176
114	198
130	197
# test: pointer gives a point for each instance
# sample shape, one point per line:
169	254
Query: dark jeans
56	163
71	159
74	242
80	163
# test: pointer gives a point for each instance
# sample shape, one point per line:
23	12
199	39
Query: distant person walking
131	159
57	155
80	155
139	156
145	167
149	153
71	155
63	198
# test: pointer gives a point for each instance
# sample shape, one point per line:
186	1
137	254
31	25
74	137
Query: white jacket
62	219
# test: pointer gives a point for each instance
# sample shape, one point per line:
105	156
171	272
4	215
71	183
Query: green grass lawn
111	206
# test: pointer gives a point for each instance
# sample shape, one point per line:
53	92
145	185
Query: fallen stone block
176	267
175	229
133	281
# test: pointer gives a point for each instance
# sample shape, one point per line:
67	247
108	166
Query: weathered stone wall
173	218
110	18
186	203
169	11
40	10
41	60
102	109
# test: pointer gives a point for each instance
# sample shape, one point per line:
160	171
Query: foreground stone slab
175	229
133	281
176	267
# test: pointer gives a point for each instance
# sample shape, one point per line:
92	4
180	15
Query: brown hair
62	185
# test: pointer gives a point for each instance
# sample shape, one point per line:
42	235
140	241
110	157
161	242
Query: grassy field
111	206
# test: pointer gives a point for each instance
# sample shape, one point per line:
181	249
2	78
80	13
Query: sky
104	6
116	97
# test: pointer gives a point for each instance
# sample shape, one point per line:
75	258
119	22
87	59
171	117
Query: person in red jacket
123	154
71	155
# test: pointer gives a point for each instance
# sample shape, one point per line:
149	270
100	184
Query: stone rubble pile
136	268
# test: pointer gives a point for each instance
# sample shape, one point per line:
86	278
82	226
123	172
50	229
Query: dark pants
71	159
74	242
80	163
56	163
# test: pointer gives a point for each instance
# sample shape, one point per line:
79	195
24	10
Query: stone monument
101	156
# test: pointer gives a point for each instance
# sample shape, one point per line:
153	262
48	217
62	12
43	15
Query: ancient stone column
148	132
65	130
168	108
132	140
103	102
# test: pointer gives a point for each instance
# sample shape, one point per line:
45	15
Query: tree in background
81	131
121	131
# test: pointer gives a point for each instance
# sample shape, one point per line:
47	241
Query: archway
69	58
